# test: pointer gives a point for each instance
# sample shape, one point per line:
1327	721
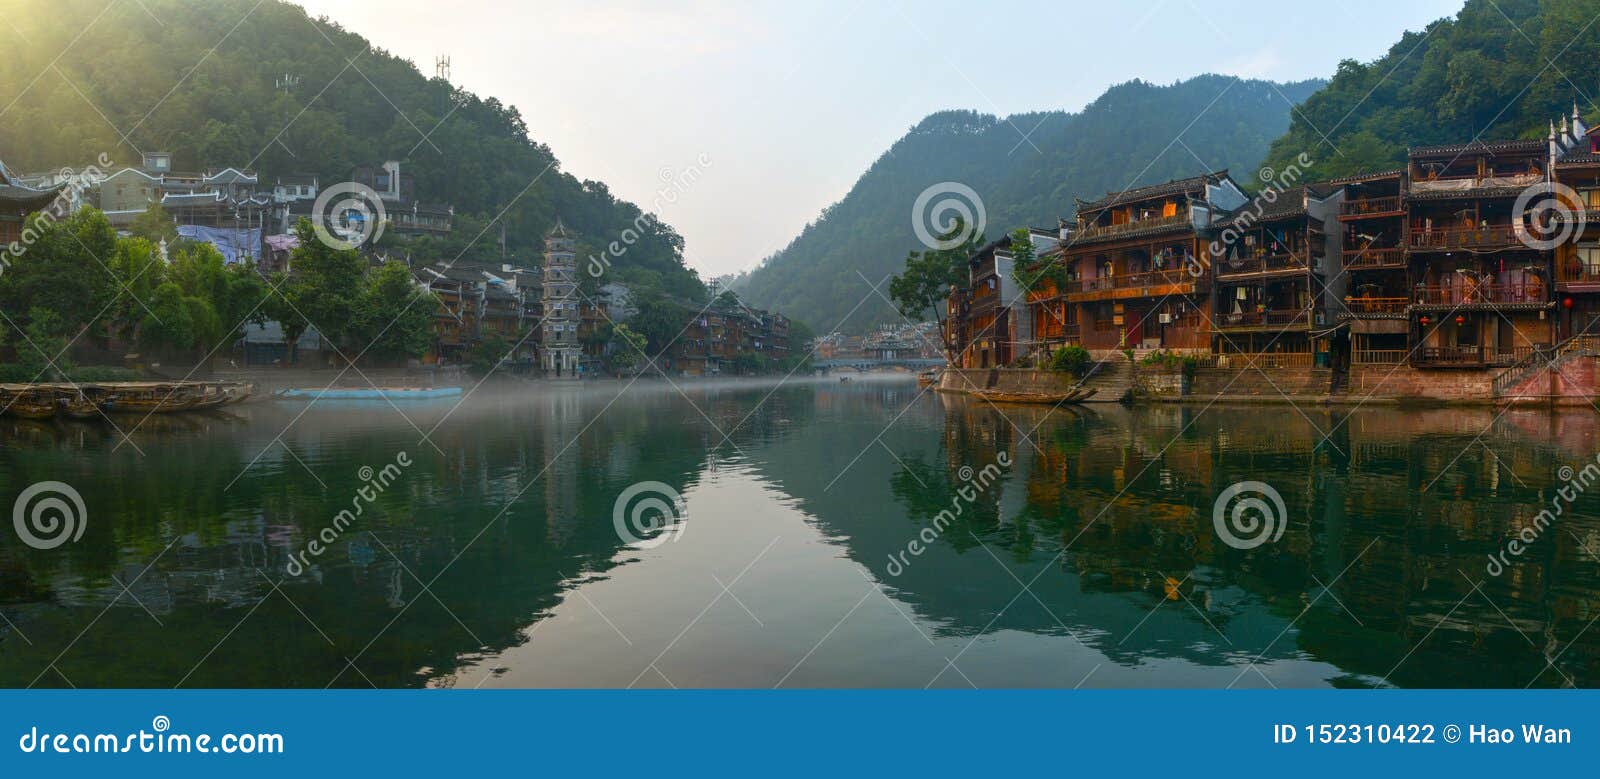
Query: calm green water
493	558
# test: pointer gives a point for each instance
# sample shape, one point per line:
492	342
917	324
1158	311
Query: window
1591	198
1589	260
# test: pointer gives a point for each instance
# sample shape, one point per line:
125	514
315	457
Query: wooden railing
1373	257
1263	359
1366	206
1450	355
1265	264
1132	280
1472	356
1102	231
1489	237
1380	356
1369	306
1469	294
1575	272
1265	318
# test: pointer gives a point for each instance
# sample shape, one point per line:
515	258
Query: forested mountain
1124	138
201	79
1502	69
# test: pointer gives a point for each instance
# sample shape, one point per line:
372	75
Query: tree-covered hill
200	78
1136	133
1501	69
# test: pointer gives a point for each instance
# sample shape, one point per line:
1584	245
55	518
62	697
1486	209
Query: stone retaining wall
1576	383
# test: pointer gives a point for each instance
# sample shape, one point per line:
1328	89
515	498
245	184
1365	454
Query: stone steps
1112	380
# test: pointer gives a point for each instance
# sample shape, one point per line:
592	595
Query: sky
773	109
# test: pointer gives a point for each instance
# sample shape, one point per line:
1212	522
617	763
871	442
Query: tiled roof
1173	187
1289	203
1478	146
24	197
1365	177
1465	193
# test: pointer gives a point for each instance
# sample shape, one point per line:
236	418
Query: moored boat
1037	398
373	393
29	404
80	406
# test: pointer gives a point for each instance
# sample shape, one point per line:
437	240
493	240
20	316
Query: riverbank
1568	380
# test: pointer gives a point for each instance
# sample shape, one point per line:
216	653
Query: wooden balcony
1467	357
1262	360
1373	306
1575	275
1490	237
1379	356
1132	285
1373	258
1110	231
1266	265
1265	320
1371	208
1468	295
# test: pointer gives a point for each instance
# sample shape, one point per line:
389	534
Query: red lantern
1460	320
1566	303
1424	321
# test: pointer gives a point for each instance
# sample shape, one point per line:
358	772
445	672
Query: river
484	544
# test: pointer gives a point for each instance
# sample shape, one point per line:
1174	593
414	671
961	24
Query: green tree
394	317
629	347
40	348
279	308
929	275
324	289
64	270
155	225
658	318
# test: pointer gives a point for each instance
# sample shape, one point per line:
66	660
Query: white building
562	353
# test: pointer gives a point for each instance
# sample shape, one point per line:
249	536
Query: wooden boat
151	398
1039	398
927	378
80	406
371	393
30	404
239	393
210	399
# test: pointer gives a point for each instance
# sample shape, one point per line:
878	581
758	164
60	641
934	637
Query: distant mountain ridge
1026	169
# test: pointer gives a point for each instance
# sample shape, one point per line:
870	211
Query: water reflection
493	559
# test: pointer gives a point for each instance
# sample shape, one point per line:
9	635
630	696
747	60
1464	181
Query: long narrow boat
151	398
239	393
212	399
30	404
1037	398
377	393
927	378
80	406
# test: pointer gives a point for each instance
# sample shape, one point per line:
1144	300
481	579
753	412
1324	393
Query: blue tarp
234	243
